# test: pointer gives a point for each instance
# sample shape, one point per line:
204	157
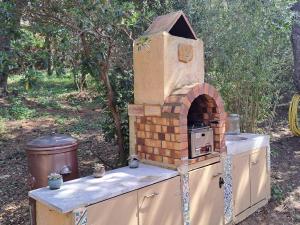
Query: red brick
142	155
152	110
149	150
140	141
149	157
155	120
163	121
164	129
141	134
149	135
141	127
167	109
158	158
177	109
167	152
135	110
170	129
191	96
156	151
184	153
176	154
168	137
161	136
147	127
168	160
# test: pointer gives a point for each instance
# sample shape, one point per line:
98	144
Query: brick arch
178	104
181	99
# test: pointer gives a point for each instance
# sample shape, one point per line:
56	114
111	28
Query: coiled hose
293	115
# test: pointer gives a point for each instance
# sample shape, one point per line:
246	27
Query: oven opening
201	117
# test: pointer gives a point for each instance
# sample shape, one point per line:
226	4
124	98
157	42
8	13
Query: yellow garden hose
293	115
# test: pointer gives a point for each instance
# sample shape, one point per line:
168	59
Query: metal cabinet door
207	198
241	183
160	204
258	174
120	210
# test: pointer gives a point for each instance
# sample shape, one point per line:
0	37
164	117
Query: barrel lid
51	141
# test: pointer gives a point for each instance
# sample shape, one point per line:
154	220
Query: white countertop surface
89	190
250	142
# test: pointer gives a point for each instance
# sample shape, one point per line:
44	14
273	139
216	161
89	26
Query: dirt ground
284	208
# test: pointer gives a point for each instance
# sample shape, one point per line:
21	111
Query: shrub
17	110
248	54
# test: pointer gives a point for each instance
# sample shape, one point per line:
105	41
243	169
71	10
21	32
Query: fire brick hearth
171	100
162	131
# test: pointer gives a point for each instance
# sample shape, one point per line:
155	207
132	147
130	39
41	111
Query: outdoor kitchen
194	166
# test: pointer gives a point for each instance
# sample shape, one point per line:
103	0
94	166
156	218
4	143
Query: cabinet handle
217	175
151	195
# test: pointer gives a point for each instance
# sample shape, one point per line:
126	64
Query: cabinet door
241	182
258	172
160	204
121	210
207	198
47	216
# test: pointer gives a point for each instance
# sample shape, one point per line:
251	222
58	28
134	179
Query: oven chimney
167	57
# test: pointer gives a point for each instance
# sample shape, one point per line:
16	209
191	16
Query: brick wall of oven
161	131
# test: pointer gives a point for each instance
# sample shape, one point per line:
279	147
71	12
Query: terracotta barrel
48	154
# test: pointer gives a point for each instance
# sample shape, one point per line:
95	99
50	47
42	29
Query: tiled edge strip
228	198
80	216
184	176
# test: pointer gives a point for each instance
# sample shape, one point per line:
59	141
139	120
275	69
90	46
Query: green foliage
122	82
30	78
28	51
17	110
277	193
248	53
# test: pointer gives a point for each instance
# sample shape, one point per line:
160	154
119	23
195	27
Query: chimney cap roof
175	23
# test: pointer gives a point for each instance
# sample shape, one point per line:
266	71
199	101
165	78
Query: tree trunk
49	54
103	76
115	112
5	48
296	51
5	41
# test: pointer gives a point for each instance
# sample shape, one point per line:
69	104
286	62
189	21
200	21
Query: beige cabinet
241	183
121	210
47	216
258	176
160	204
249	180
157	204
207	196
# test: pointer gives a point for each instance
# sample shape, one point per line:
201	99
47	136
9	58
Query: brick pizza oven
171	95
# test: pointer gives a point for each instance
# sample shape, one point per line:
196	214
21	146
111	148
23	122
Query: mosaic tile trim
228	198
184	176
80	216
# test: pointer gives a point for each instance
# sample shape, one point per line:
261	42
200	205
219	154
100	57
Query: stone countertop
237	144
89	190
